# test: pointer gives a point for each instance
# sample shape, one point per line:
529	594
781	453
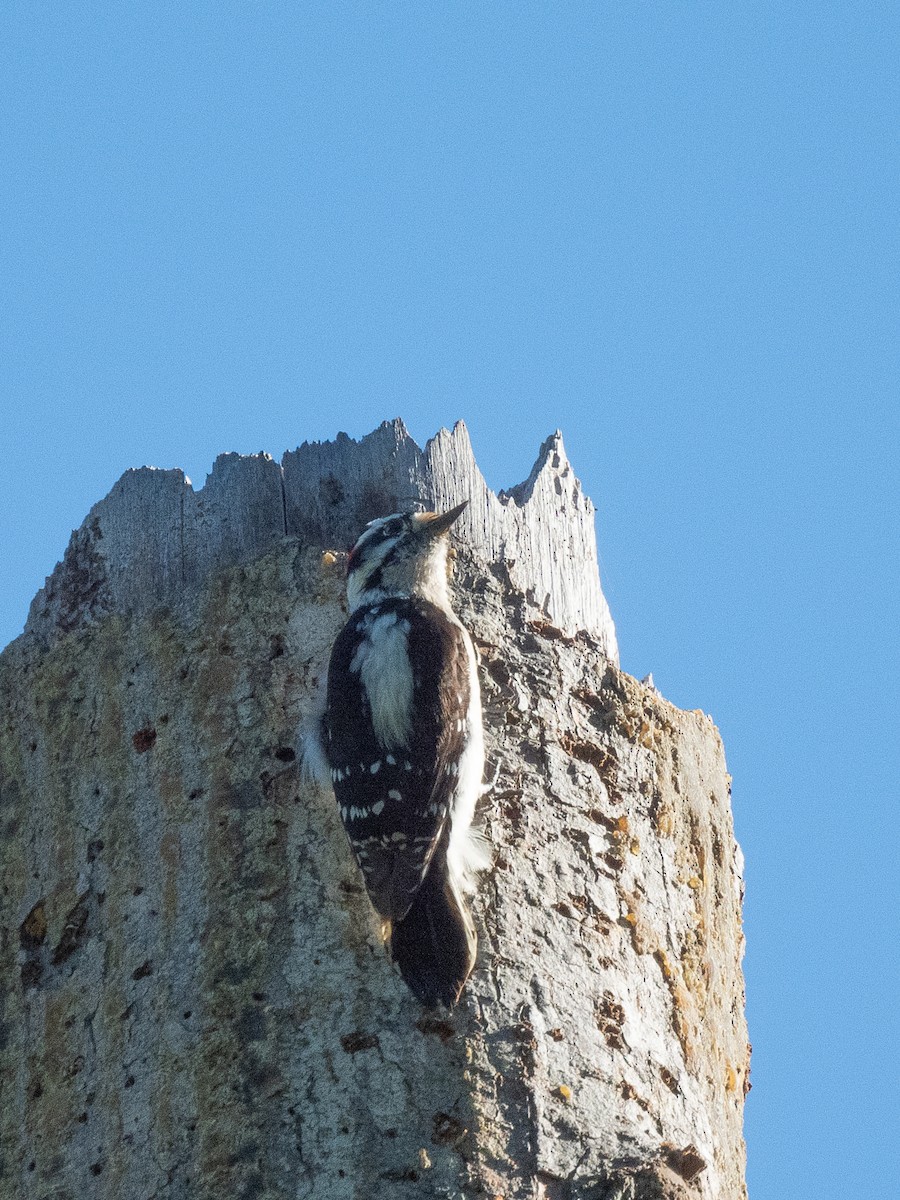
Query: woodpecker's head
402	555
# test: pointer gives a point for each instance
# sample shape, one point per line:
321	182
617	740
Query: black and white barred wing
395	727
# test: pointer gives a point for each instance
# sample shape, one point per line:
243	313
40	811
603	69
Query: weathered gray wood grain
155	542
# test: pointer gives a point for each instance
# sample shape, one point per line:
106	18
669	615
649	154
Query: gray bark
196	999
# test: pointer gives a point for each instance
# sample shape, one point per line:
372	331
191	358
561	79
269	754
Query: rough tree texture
196	1002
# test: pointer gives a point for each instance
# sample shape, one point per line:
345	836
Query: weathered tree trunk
196	1002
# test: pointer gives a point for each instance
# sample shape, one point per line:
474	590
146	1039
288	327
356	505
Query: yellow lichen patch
622	824
695	882
664	824
682	1011
730	1078
663	959
638	726
695	966
564	1092
328	559
34	927
644	938
635	846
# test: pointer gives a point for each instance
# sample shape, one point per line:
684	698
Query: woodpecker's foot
487	788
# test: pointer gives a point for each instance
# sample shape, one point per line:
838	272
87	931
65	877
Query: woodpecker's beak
434	524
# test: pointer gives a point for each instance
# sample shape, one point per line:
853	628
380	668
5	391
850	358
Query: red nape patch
352	559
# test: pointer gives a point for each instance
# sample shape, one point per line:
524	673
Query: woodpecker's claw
487	788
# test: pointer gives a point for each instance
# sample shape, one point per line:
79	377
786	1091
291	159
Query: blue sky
670	229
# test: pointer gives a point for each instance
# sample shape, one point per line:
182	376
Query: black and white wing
396	729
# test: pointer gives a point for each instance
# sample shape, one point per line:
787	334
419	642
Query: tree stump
196	1001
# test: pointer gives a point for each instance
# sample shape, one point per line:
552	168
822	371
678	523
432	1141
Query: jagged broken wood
154	541
197	999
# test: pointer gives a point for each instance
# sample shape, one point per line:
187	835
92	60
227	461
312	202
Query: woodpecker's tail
434	945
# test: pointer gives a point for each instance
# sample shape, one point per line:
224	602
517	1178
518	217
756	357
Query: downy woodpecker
403	741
